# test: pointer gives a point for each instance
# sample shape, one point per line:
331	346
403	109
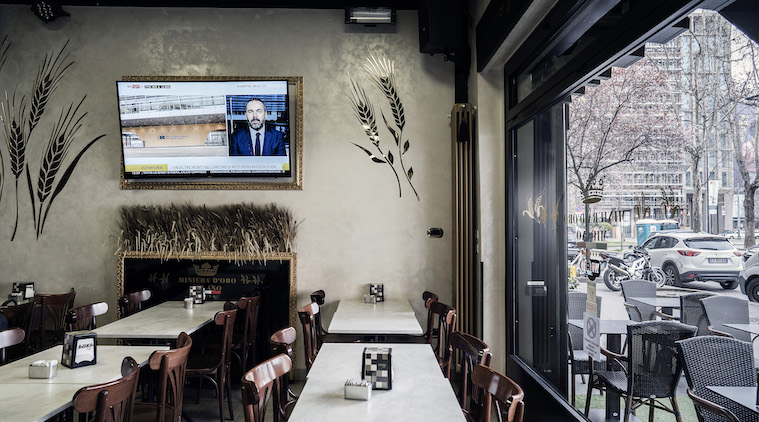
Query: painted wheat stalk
49	74
364	112
381	71
5	45
246	230
12	115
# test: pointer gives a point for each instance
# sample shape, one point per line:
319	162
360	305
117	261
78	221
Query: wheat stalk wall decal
12	116
382	72
364	112
5	45
48	76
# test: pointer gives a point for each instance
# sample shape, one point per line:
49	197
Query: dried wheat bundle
248	231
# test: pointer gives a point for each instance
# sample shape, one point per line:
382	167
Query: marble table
420	391
26	399
162	322
353	316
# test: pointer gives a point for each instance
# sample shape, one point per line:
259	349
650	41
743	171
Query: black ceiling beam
252	4
744	14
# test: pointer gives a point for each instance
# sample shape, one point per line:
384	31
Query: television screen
197	129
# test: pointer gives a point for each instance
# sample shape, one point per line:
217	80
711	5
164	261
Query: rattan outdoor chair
709	411
639	288
650	370
721	310
692	313
718	361
578	358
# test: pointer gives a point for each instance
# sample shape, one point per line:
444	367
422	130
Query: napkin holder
377	367
198	294
377	290
79	349
43	369
358	390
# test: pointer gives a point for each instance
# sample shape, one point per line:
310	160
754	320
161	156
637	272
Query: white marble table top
420	391
353	316
25	399
164	321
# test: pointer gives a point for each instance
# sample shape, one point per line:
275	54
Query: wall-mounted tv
187	132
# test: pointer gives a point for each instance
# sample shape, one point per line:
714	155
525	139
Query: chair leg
573	387
587	397
676	409
200	383
628	407
651	408
229	396
220	394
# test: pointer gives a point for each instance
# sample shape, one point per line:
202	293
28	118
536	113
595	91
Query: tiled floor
208	408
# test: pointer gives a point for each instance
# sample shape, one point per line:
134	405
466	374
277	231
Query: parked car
572	249
749	276
686	257
749	253
732	234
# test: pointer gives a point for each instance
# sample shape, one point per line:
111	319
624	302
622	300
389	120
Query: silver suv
688	257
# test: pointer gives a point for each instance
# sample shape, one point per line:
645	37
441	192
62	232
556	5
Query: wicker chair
721	310
651	368
692	313
707	410
578	358
639	288
723	361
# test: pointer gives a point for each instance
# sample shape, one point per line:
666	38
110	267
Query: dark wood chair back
472	351
281	343
250	305
262	383
215	367
307	315
172	367
319	297
8	338
507	394
445	322
132	302
428	298
18	315
49	325
111	401
83	317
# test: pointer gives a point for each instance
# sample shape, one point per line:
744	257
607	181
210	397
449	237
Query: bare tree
627	113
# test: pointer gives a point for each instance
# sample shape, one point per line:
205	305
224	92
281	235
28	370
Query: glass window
709	244
650	243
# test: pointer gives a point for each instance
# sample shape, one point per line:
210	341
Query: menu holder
377	367
79	349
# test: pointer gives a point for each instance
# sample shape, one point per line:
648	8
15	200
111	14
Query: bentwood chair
48	322
708	411
83	317
721	310
8	338
282	343
445	322
215	366
307	316
262	383
650	370
639	312
579	360
429	297
244	345
172	367
718	361
472	351
507	394
110	401
18	316
133	302
318	297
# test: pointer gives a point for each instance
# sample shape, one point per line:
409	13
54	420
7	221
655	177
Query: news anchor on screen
256	139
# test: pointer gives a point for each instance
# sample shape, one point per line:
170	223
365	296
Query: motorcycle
634	265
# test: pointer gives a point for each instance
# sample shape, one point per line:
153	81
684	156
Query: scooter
635	265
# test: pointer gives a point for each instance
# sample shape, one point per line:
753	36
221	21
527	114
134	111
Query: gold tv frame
294	182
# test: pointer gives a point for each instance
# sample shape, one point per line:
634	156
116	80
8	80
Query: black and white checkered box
377	290
378	367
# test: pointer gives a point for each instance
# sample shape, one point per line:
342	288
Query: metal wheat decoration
248	231
381	71
12	115
48	185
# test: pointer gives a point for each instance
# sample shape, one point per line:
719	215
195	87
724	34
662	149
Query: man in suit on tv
256	139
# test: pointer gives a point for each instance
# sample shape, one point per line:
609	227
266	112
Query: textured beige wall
354	229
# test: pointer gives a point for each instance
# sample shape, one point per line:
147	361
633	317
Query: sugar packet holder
356	389
43	369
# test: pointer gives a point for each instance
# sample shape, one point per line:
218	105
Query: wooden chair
307	315
171	366
18	316
48	323
507	394
445	318
132	302
8	338
318	296
83	317
262	383
281	343
244	346
215	366
428	298
473	351
110	401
